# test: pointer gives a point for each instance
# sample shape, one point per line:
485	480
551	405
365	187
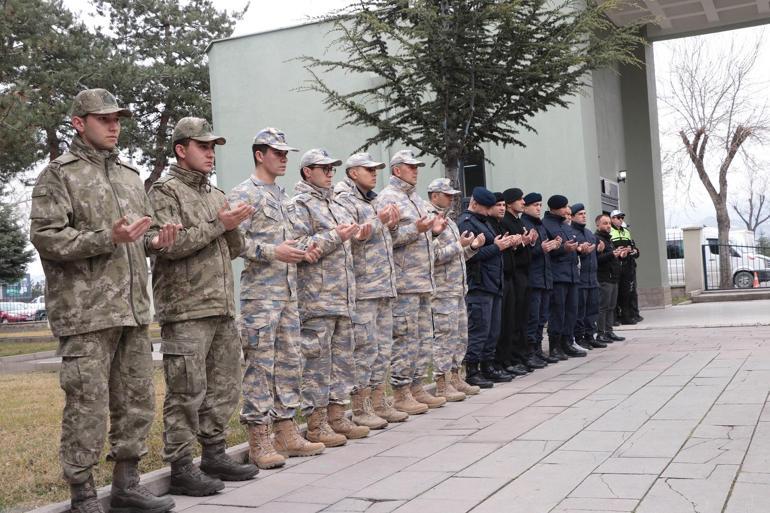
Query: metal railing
675	261
749	268
21	308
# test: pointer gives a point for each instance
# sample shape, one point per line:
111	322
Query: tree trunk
161	143
725	260
54	144
452	171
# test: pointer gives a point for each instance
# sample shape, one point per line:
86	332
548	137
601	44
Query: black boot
187	479
547	359
83	498
595	343
555	347
569	349
493	374
603	338
615	338
583	342
516	369
473	376
216	463
533	362
128	496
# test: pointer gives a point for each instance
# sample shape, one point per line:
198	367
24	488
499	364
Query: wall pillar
693	259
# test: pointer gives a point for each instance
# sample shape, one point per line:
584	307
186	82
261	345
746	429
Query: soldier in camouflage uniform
91	223
375	274
412	318
450	317
327	291
269	310
201	346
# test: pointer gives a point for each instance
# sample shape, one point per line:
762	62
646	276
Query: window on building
473	172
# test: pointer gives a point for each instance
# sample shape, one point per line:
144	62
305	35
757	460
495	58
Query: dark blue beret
512	195
557	201
532	197
484	196
577	207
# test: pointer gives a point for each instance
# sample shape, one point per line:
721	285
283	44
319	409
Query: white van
745	258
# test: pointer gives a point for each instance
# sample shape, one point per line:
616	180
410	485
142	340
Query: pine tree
14	254
452	74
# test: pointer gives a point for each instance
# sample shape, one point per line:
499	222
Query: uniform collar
352	187
577	225
193	179
533	219
80	149
560	219
317	192
401	185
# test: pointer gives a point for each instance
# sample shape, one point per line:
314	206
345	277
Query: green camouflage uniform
413	254
375	274
326	299
269	310
450	316
96	296
193	287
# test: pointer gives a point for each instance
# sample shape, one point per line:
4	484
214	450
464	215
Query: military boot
554	344
215	462
128	496
319	430
445	389
475	377
422	396
83	498
262	452
383	408
545	357
289	443
461	386
187	479
571	349
582	342
363	413
344	426
490	371
405	402
615	338
596	344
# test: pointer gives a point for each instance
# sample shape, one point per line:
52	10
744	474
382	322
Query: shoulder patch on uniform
67	158
129	166
39	191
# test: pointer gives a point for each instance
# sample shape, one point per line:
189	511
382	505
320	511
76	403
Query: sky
686	204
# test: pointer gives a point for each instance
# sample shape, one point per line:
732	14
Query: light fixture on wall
622	176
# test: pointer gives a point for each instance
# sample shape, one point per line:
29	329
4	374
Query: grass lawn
15	348
30	429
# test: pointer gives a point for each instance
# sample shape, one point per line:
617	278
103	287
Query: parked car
745	259
18	312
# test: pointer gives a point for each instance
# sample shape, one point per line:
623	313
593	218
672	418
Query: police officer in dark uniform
564	266
588	289
485	291
539	280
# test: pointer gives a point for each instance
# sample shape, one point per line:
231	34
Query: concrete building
577	151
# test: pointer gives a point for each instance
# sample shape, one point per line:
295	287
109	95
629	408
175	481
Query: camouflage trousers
105	373
327	361
450	333
201	363
373	331
412	339
271	382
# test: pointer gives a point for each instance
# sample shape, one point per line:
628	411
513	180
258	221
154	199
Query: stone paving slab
671	420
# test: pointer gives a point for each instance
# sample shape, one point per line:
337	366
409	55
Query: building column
641	197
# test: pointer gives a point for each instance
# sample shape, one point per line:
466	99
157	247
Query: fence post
693	259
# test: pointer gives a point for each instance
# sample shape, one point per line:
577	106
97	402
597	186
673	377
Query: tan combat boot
420	395
445	389
363	414
261	450
405	402
342	425
289	443
461	386
319	430
382	407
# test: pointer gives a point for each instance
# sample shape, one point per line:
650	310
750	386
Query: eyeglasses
328	170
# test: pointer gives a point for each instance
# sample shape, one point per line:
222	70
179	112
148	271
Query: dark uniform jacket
588	262
540	261
485	268
563	262
508	255
608	269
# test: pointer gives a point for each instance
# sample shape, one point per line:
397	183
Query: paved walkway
673	420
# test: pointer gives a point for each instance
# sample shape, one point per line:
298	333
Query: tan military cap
197	129
97	101
405	157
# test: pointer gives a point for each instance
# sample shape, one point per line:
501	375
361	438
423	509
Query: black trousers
628	303
512	344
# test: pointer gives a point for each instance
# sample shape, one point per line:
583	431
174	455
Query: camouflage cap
363	160
405	157
442	185
273	138
318	157
97	101
195	128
